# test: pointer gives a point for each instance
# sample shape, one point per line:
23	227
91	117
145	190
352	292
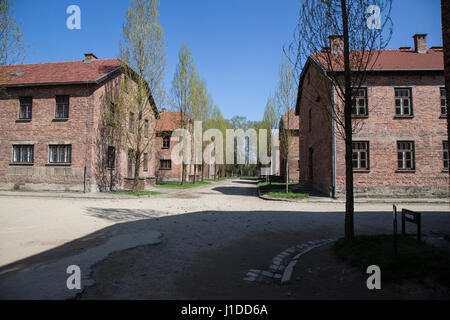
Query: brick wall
445	6
86	108
427	129
316	136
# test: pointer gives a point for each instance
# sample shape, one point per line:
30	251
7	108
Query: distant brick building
50	119
401	146
166	168
293	134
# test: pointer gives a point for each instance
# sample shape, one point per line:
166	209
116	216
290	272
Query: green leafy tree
286	97
143	55
181	90
12	47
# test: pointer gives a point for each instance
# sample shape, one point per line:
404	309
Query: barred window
145	162
360	155
60	154
62	107
443	102
165	164
405	151
23	154
166	142
25	108
131	122
359	102
111	157
146	128
445	148
403	102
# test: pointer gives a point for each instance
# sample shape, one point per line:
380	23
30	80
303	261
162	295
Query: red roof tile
396	60
169	121
58	72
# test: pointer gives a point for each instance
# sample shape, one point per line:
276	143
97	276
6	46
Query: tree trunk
287	174
349	201
137	163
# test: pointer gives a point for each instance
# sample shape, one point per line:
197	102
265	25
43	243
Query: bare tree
357	36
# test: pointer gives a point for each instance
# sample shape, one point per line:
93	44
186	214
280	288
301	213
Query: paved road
211	236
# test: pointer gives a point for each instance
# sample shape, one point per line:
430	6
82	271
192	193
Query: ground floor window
165	164
111	157
145	162
360	155
405	154
23	154
60	154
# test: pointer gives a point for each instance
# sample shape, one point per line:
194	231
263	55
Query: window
166	142
443	102
359	102
25	108
446	160
131	122
360	155
62	107
60	154
403	102
111	113
405	151
146	128
145	162
165	164
111	157
23	154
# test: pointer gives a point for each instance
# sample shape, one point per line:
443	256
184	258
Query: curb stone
283	264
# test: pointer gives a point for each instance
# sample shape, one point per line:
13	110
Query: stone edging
283	264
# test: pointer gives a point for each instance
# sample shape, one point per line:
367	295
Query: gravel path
212	236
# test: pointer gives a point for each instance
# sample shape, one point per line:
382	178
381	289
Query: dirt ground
212	236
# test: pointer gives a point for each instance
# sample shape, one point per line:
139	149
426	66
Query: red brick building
293	154
400	147
166	168
50	128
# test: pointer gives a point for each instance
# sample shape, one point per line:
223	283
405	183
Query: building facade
400	145
51	128
289	138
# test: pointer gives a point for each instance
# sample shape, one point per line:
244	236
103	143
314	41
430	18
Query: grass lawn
416	260
177	184
264	186
289	195
138	193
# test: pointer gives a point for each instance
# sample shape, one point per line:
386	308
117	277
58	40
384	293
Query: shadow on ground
252	239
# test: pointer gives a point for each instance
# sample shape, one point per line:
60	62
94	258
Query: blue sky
236	44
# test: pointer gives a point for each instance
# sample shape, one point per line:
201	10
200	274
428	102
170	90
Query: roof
169	121
394	60
294	121
59	72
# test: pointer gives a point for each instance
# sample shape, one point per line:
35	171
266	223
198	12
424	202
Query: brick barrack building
50	124
293	137
400	148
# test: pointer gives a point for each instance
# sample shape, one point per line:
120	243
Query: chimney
420	42
336	43
88	57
